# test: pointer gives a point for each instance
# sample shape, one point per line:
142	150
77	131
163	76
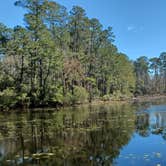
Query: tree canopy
59	55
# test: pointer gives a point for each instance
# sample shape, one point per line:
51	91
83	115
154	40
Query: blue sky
139	25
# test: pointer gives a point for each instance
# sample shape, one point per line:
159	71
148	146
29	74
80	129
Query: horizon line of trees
150	75
62	57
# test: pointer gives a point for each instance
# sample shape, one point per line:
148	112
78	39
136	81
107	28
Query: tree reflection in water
91	135
152	121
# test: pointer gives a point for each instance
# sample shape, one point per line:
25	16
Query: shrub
80	94
56	95
23	100
118	95
106	98
8	98
68	99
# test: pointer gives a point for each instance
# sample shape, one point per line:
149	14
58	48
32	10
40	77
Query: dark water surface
120	134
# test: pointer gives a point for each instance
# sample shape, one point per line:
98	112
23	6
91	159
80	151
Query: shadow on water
90	135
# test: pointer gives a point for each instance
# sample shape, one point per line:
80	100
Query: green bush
106	98
118	95
80	94
68	99
23	100
8	98
58	98
56	95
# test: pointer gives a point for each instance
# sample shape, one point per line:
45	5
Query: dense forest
62	57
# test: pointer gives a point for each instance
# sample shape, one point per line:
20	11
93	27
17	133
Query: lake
111	134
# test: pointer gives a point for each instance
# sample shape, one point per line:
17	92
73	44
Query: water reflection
91	135
152	121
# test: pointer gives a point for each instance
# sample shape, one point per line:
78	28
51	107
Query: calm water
122	134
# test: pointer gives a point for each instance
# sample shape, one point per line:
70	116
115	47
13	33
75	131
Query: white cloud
131	28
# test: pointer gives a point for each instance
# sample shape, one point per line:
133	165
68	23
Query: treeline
150	75
63	57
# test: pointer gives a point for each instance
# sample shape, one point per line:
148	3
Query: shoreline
138	99
148	98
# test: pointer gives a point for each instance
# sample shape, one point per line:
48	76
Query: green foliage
106	98
23	100
64	57
80	94
68	99
118	95
8	98
141	66
56	95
